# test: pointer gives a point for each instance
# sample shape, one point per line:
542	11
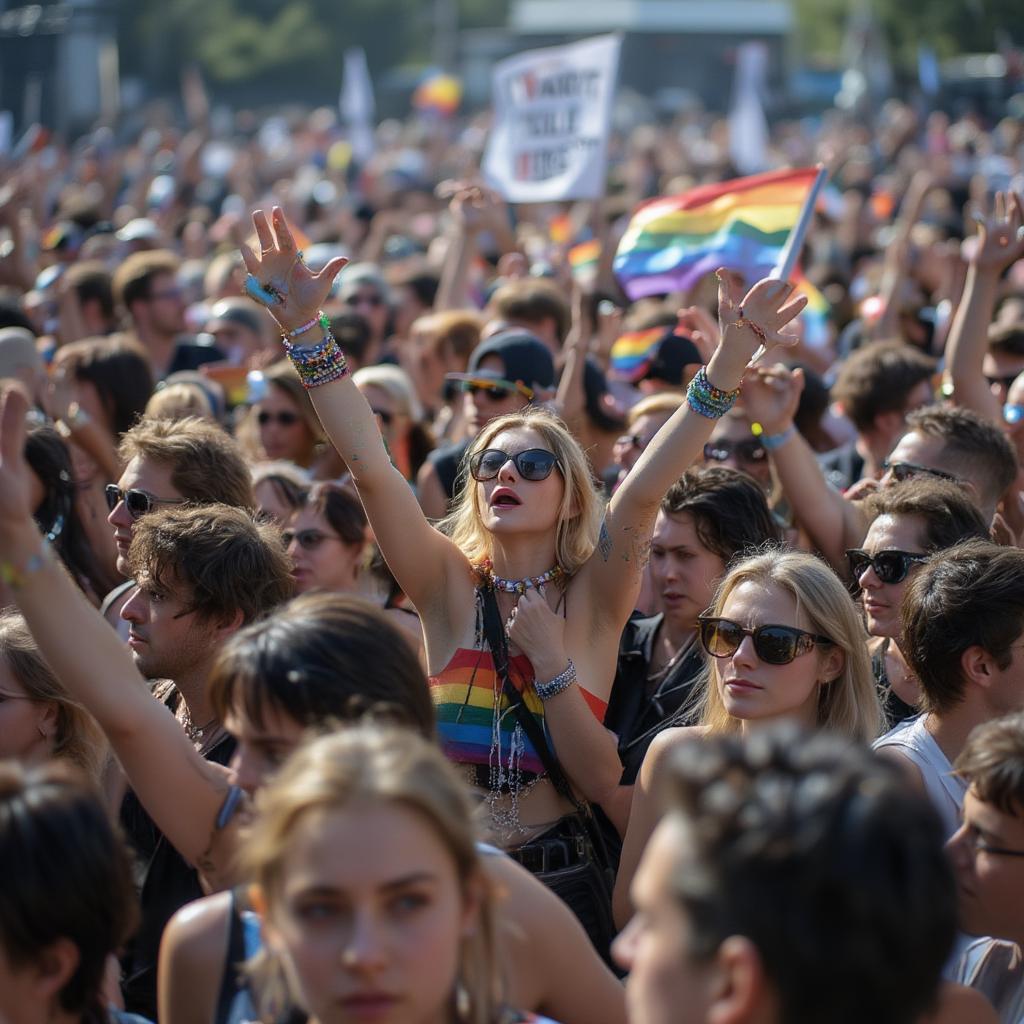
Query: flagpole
783	269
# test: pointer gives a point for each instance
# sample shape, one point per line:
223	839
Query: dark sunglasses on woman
284	418
533	464
309	540
774	645
746	451
138	503
890	566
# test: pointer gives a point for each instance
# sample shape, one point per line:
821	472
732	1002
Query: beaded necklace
496	582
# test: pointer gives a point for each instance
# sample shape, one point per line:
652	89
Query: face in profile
370	917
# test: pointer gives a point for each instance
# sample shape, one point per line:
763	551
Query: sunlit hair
77	740
178	401
848	704
371	766
579	516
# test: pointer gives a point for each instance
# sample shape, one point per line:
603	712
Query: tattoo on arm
604	542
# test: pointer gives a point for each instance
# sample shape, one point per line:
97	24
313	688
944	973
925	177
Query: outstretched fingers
285	242
263	231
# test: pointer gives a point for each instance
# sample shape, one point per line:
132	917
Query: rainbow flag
632	351
672	242
583	260
815	314
439	95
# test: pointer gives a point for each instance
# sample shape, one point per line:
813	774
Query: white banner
552	110
356	104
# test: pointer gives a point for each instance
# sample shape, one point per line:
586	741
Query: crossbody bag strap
494	633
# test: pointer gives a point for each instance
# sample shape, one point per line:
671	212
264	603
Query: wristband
321	318
704	398
15	576
773	441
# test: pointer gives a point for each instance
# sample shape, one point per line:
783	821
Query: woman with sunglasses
785	643
911	520
734	444
282	424
529	535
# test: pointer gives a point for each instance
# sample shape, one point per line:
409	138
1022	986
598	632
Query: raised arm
425	563
833	523
746	322
1000	243
182	792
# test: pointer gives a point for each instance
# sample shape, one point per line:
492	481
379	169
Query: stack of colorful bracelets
702	396
320	363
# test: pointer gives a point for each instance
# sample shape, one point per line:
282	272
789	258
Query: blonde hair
78	739
849	703
396	382
579	516
654	405
372	765
178	401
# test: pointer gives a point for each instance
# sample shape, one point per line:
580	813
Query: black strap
234	957
494	633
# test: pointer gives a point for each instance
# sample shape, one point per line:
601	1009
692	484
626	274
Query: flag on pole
356	104
743	224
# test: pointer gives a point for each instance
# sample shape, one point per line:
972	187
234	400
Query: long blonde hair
581	510
848	704
373	764
78	739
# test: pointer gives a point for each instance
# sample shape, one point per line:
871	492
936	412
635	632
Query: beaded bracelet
318	364
561	683
321	318
773	441
704	398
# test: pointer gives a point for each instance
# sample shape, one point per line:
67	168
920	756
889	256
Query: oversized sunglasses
745	451
890	566
533	464
905	470
138	503
282	419
309	540
774	645
494	389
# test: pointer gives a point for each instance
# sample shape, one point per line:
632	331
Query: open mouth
504	498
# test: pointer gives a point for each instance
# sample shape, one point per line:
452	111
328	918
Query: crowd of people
375	644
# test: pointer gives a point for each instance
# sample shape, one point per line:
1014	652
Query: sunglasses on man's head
496	390
138	503
905	470
750	450
890	566
533	464
774	645
282	419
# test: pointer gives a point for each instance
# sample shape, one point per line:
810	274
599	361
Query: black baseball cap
670	356
526	360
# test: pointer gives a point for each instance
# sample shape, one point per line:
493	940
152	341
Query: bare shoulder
663	745
958	1004
910	771
199	929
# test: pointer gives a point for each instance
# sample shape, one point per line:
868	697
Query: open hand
768	305
1001	236
771	396
279	266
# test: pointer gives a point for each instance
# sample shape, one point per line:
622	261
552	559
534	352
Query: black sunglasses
138	503
283	418
746	451
905	470
890	566
630	441
533	464
364	300
309	540
774	645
